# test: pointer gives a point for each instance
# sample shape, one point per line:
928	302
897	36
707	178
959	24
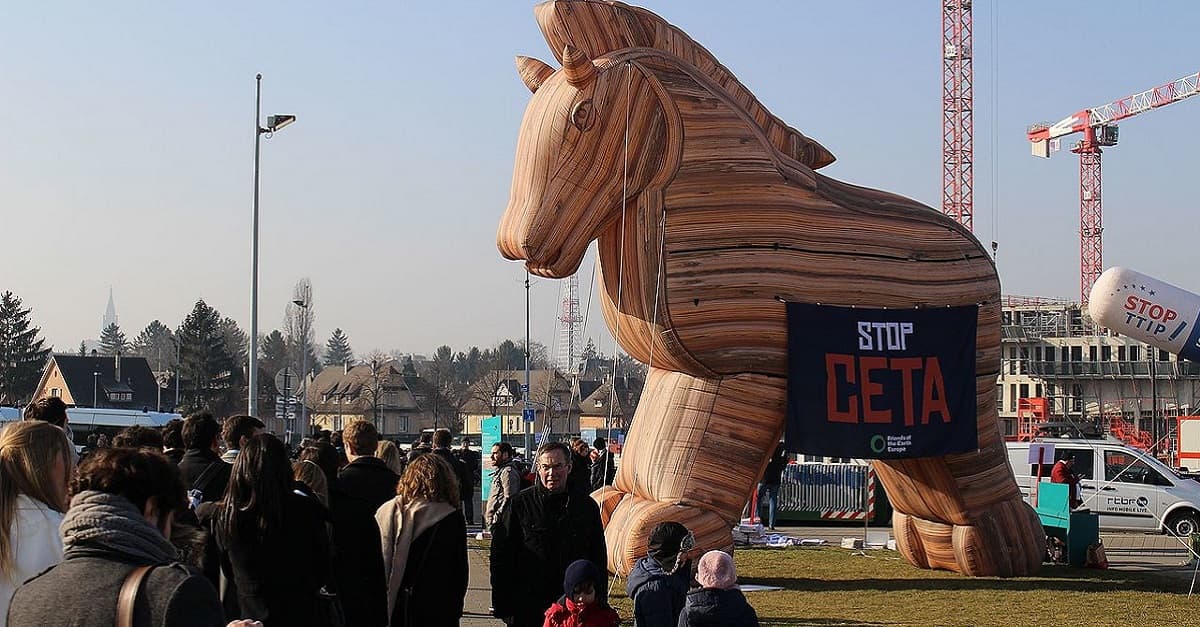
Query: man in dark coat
441	448
357	562
580	479
543	530
603	468
201	467
365	477
471	461
172	435
423	445
768	488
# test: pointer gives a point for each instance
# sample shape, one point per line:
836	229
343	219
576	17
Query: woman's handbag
330	607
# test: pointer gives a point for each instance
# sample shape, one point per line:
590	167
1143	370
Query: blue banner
881	383
489	436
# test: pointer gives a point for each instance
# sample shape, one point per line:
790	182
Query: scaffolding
1063	375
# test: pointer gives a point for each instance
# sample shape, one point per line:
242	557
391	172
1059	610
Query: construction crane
1099	129
958	182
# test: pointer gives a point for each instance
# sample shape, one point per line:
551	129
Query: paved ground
479	593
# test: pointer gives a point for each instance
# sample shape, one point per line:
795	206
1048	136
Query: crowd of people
210	523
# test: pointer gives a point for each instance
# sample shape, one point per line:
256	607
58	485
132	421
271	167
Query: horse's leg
964	512
696	449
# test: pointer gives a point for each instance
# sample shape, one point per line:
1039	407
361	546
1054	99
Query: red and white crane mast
1099	129
958	182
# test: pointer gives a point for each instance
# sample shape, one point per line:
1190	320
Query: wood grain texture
710	215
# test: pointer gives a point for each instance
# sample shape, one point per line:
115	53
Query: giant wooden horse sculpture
709	213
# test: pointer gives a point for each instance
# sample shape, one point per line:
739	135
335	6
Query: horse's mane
600	27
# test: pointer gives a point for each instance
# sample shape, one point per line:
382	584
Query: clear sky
126	148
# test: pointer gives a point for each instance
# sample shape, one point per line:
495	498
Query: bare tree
377	385
493	372
298	322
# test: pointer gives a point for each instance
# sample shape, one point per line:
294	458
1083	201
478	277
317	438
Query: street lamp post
303	367
274	123
375	391
176	410
95	386
525	392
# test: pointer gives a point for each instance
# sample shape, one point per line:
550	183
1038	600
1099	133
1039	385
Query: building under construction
1061	374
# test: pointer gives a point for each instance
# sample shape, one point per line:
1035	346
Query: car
1129	489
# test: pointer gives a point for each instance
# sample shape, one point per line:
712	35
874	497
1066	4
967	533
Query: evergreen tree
468	366
273	354
22	354
205	364
407	368
82	348
113	341
237	343
337	349
157	344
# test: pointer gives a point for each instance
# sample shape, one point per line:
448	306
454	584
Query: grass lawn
831	586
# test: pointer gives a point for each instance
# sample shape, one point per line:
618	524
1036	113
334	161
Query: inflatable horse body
724	218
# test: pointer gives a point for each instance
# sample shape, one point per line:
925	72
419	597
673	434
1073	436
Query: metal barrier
815	491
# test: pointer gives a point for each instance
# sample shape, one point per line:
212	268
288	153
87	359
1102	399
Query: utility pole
525	392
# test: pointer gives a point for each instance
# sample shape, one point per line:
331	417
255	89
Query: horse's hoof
1006	540
629	519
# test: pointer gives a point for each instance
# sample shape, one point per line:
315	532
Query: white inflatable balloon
1147	309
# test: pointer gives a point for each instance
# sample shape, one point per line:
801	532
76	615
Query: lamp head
276	122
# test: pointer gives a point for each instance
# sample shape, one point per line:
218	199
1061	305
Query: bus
85	421
9	414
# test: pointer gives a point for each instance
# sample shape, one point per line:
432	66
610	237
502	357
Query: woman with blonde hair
310	475
424	539
387	451
36	464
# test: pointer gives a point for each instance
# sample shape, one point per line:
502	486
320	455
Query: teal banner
489	436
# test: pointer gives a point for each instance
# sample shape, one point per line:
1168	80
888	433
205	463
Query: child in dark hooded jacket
658	584
579	607
718	603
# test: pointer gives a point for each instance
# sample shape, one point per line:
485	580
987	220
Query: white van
1130	490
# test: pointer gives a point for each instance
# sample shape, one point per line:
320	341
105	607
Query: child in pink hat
718	602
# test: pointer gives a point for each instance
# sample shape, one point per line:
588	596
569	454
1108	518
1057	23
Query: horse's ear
578	67
533	72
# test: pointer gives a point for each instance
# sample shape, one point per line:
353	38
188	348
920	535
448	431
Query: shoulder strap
201	482
129	594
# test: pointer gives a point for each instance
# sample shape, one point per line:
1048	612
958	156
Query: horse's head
569	175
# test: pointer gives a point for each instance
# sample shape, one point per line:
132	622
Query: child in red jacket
578	606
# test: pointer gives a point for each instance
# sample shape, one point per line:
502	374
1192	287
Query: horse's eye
583	116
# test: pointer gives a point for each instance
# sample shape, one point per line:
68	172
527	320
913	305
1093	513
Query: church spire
110	313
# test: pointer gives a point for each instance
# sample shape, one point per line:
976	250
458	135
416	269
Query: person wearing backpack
204	474
115	534
506	483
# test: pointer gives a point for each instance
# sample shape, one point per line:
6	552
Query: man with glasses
543	530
